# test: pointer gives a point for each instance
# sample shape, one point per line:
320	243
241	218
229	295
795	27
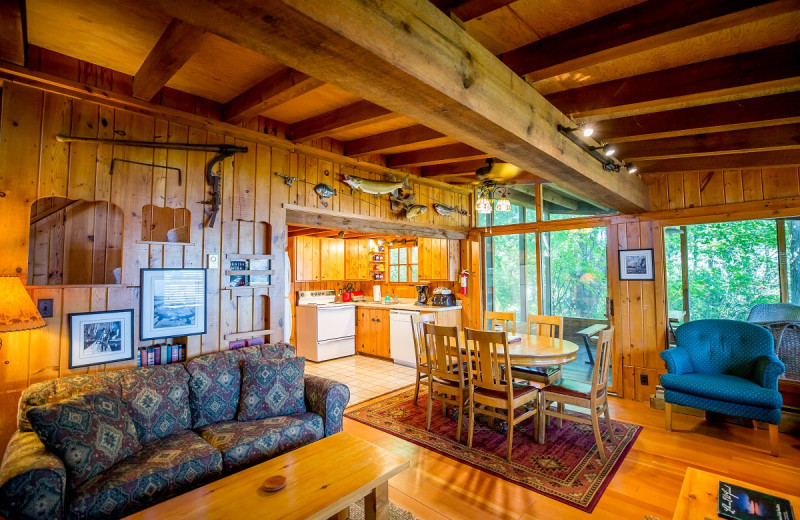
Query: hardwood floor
647	483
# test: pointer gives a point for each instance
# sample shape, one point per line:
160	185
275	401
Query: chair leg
668	416
609	426
444	409
560	421
471	425
460	408
416	389
542	417
601	449
510	422
430	407
773	439
755	424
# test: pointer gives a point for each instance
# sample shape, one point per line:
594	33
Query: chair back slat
507	319
602	361
420	347
488	354
444	348
540	325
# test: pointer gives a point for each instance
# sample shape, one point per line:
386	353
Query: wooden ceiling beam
780	137
635	29
725	161
412	59
277	89
749	72
439	155
178	43
13	41
466	10
356	115
717	117
379	143
454	168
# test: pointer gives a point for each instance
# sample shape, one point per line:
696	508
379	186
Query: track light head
588	130
609	150
631	168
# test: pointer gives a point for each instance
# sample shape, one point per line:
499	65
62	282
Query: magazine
259	279
738	503
238	280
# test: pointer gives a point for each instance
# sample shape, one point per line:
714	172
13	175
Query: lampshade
503	204
483	204
17	311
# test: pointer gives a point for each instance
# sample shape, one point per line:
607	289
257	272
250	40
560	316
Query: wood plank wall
641	306
33	165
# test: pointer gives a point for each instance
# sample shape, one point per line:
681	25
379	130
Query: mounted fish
415	211
375	187
325	192
442	209
399	203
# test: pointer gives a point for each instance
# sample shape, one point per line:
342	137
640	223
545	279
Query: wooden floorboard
647	483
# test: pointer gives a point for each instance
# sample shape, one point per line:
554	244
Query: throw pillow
88	432
157	399
216	380
272	387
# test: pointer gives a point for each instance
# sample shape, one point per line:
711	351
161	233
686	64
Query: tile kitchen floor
365	376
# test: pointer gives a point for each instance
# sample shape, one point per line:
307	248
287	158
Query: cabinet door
382	334
364	261
331	259
306	259
453	260
424	259
362	329
352	260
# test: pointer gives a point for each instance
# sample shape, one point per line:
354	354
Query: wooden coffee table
322	480
698	499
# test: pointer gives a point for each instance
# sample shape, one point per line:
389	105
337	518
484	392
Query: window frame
407	265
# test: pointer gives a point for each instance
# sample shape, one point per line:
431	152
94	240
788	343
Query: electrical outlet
213	261
45	307
643	379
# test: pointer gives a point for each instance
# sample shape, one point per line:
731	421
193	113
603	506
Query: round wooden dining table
538	351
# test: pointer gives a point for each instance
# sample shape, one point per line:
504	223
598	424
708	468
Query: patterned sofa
184	417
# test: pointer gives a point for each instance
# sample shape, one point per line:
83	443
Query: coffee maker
422	295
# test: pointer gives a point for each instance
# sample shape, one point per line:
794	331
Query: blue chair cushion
769	415
723	387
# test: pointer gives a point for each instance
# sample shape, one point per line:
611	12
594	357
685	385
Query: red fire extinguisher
464	276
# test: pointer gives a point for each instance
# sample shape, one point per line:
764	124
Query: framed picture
172	303
100	337
636	264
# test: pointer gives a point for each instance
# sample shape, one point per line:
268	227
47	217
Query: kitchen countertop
406	307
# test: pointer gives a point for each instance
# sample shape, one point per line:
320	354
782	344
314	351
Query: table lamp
17	311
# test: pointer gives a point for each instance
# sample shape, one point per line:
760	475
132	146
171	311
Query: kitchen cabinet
439	259
306	259
372	332
356	260
331	259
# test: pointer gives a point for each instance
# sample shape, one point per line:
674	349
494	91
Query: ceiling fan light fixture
503	204
483	204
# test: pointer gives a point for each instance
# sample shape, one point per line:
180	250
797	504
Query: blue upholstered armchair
727	367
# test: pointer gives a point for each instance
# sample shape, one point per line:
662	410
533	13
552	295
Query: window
792	234
403	264
559	204
511	284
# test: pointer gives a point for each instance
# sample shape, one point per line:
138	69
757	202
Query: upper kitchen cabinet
356	259
331	259
307	259
439	259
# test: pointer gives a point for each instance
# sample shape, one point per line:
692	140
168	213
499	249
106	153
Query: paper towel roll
376	293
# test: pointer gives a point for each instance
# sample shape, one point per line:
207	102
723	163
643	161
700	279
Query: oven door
336	321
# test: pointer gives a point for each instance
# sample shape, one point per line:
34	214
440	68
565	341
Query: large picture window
403	264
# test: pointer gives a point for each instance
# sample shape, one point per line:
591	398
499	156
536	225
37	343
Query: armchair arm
677	360
327	398
768	370
32	480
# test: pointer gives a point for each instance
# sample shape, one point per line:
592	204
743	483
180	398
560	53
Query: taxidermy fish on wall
375	187
325	192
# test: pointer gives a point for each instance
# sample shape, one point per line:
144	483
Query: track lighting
608	149
586	129
631	168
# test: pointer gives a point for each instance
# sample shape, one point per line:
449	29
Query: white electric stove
326	329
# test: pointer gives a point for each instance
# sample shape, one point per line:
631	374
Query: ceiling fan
491	179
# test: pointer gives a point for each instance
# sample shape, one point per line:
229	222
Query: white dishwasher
401	337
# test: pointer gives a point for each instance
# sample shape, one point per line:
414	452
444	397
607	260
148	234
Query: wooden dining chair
539	325
507	319
448	381
490	393
421	350
593	396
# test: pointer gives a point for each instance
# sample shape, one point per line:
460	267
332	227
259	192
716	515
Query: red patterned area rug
566	468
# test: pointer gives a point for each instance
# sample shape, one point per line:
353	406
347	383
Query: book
739	503
238	280
150	356
157	354
514	339
233	345
253	342
258	264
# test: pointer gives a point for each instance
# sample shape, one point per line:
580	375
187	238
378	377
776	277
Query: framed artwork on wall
636	264
172	303
96	338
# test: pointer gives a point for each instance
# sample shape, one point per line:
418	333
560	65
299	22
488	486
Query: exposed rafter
277	89
178	43
466	10
775	67
387	141
439	155
717	117
718	162
12	31
454	168
635	29
360	113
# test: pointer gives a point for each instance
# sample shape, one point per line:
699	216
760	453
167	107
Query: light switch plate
213	261
45	306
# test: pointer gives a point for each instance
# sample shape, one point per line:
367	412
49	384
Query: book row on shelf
160	355
253	280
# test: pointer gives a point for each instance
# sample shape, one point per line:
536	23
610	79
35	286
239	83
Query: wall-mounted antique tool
115	160
223	151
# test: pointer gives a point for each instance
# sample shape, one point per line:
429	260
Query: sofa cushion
161	469
157	399
271	387
89	432
723	387
246	443
213	388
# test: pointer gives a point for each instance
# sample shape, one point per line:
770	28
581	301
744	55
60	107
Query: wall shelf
248	335
82	286
249	273
154	243
248	290
245	256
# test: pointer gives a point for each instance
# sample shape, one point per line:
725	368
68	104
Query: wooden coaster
274	483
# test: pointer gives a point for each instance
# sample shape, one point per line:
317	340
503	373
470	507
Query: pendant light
503	204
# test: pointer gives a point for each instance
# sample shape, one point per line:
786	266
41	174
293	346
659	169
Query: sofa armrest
768	370
327	398
677	360
32	480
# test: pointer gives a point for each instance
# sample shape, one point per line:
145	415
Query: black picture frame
186	316
636	265
93	336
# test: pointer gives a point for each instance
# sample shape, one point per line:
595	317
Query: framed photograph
636	264
96	338
172	303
